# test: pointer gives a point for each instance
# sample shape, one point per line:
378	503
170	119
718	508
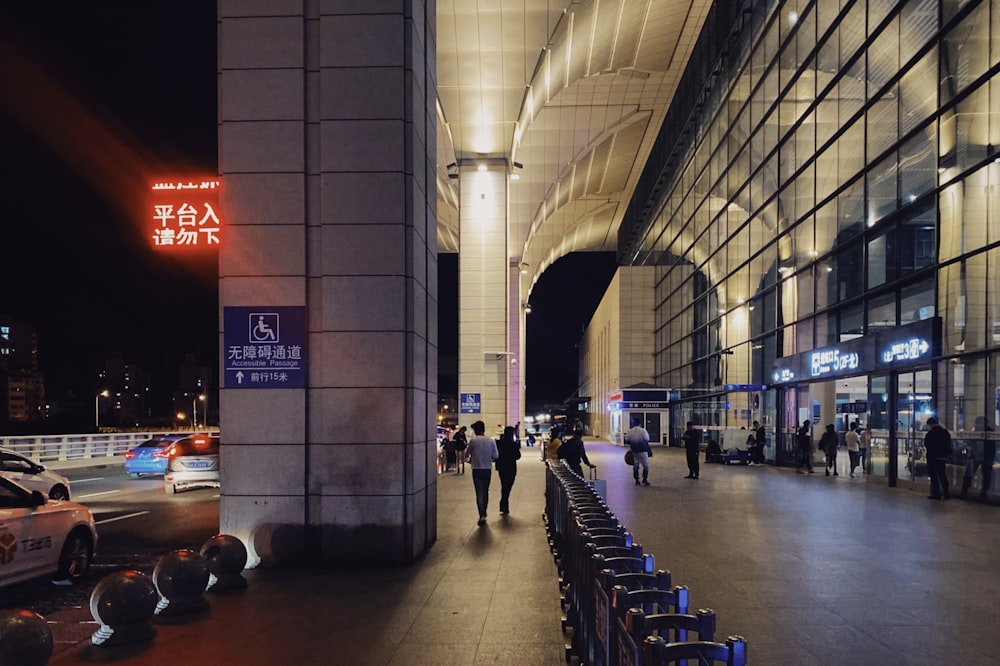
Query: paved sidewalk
480	596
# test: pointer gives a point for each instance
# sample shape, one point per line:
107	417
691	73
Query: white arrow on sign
239	377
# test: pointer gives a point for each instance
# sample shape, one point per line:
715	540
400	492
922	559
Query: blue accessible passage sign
469	403
264	347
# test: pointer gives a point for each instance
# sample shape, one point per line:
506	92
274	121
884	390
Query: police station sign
184	213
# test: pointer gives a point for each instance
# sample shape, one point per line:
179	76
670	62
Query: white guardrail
62	451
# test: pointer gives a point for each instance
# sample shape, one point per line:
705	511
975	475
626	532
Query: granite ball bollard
123	602
25	638
181	578
227	558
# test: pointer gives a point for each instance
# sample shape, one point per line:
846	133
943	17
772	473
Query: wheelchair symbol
263	327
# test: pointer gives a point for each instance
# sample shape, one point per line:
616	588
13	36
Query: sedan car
150	457
191	462
40	537
33	476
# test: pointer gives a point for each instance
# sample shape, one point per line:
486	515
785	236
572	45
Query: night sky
95	100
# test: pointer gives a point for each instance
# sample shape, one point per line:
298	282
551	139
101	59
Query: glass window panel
974	281
972	135
878	268
850	151
950	8
804	291
918	172
852	322
827	166
950	203
852	33
918	24
952	303
993	296
977	197
916	302
786	156
877	11
850	271
828	55
882	189
804	335
851	92
918	96
915	242
826	117
805	36
883	55
965	52
826	284
881	313
803	243
851	210
992	191
805	141
883	123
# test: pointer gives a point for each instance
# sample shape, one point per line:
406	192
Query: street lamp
97	407
194	413
204	407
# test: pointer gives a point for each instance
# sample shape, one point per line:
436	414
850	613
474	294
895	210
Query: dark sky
94	99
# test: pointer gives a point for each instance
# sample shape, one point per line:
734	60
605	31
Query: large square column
326	150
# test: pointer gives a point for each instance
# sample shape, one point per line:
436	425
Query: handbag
629	458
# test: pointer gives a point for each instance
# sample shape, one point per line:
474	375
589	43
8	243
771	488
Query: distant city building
22	385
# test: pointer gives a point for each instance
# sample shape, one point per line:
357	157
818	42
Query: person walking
692	447
937	448
573	453
804	441
482	452
989	456
759	439
637	439
460	440
829	442
853	441
509	452
552	444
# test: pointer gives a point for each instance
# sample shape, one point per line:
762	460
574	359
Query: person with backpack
637	439
573	453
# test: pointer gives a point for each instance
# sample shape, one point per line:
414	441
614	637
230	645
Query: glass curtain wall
840	176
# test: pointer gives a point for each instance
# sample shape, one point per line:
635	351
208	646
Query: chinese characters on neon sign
184	213
908	350
829	361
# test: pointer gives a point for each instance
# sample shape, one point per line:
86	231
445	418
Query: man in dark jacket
573	453
937	448
692	447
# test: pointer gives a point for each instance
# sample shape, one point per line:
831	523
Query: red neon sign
185	213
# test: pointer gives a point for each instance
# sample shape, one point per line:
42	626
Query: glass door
913	407
878	432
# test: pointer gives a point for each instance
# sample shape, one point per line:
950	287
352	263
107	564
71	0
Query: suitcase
600	486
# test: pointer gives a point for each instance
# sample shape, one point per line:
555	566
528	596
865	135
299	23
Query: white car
33	476
193	462
40	537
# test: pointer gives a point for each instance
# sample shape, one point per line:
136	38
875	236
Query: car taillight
164	453
129	455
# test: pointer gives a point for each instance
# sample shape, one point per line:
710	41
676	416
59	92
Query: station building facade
823	215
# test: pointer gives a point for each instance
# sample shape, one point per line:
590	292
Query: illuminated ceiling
573	91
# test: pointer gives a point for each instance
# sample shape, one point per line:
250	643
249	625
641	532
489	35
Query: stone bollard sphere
227	557
123	602
181	578
25	638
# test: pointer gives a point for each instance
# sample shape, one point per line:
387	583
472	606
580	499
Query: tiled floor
810	569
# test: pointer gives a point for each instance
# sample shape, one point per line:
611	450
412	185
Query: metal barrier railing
619	609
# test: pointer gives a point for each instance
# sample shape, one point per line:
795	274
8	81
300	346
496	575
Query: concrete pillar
485	285
327	149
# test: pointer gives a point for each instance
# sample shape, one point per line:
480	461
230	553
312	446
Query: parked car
150	457
32	475
192	462
40	537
